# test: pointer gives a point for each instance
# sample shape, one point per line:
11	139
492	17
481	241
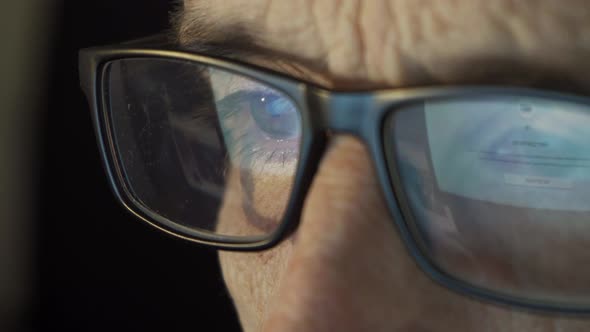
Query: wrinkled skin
346	268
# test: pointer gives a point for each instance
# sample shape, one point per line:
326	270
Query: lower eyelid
256	156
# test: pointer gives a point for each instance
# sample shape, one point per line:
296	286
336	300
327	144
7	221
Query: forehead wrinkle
229	36
243	36
414	57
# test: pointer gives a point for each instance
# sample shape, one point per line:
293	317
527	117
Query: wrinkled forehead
408	42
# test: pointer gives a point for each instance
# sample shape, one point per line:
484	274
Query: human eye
274	115
261	128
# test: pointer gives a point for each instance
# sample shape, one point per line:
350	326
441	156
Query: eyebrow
234	41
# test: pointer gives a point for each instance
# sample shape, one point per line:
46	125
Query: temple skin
346	269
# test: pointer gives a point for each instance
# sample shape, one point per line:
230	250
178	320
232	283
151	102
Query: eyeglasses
489	187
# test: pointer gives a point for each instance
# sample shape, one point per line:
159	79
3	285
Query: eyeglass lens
499	188
192	141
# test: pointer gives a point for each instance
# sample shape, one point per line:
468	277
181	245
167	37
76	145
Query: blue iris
275	115
277	106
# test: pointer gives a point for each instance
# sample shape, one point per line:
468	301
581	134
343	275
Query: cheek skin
254	200
349	271
251	277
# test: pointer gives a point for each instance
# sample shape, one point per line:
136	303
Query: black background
97	267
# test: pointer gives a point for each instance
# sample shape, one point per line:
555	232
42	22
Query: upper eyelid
232	83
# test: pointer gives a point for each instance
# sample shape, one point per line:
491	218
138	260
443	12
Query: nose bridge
342	112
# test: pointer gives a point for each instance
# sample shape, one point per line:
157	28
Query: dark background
97	267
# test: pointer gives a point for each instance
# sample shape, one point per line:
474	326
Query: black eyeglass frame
321	110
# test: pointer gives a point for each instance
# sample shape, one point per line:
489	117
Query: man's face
346	269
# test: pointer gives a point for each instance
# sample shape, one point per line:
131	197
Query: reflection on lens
499	188
206	149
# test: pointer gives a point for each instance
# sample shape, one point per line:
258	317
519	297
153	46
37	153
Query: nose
348	270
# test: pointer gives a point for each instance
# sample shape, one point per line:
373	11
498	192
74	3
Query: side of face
346	268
